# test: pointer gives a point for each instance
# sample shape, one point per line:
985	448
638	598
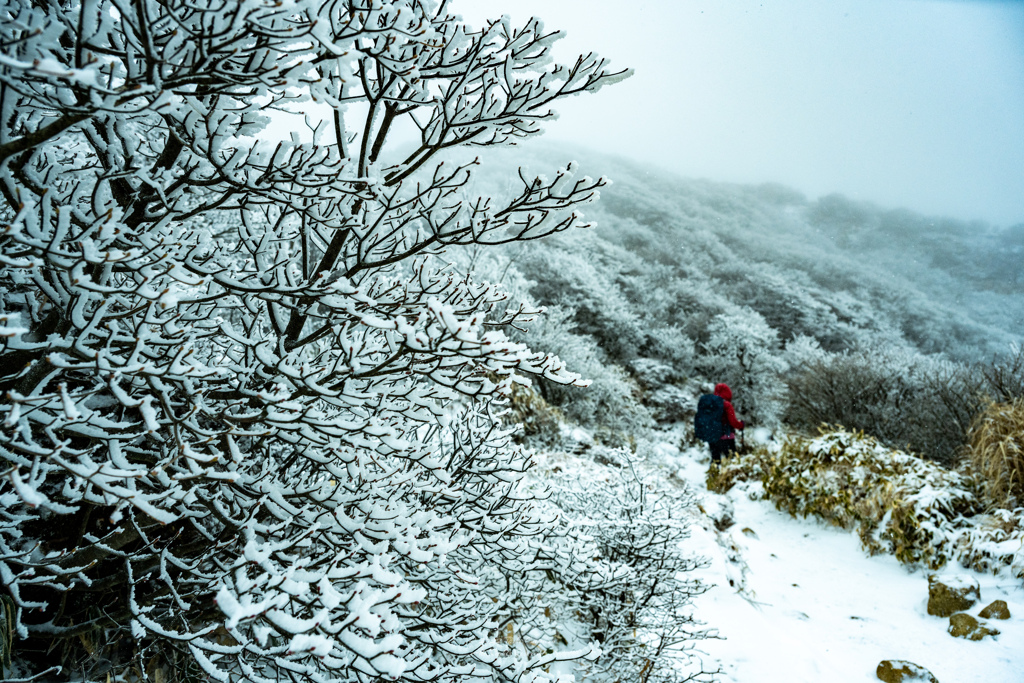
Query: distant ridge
845	273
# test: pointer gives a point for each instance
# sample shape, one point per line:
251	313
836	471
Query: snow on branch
248	426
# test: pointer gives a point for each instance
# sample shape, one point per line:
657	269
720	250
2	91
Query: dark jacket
725	393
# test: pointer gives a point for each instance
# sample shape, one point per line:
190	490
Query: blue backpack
709	422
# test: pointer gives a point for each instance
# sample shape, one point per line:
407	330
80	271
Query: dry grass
997	453
898	503
914	509
538	418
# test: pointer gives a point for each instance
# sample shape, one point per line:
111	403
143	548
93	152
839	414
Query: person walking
716	422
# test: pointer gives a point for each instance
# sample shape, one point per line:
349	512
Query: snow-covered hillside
841	271
815	311
825	310
792	600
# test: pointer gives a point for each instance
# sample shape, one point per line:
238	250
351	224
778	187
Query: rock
997	610
965	626
962	625
957	595
720	510
984	631
899	671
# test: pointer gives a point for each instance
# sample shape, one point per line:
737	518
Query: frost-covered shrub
903	398
1004	376
579	274
743	351
663	390
609	402
673	347
249	431
908	400
672	403
653	373
637	607
900	504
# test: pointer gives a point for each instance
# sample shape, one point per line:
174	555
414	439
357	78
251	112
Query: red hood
724	391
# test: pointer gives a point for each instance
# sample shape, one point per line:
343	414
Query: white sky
914	103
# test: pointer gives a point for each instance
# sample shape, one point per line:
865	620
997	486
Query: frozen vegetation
815	314
813	311
285	409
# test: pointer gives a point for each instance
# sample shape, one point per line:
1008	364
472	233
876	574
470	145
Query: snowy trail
816	608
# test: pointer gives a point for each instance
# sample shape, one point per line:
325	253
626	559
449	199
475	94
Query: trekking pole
743	438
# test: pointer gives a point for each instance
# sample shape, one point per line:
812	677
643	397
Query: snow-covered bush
636	605
608	405
665	390
579	273
900	504
897	395
248	430
743	351
992	542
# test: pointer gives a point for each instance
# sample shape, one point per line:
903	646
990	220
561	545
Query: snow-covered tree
742	350
248	430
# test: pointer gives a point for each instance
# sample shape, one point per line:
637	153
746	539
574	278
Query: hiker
715	421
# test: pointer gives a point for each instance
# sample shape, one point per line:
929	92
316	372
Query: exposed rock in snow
996	610
956	595
899	671
963	625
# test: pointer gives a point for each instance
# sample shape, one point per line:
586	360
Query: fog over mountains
844	272
697	280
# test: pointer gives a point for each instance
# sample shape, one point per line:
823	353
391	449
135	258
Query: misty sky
915	103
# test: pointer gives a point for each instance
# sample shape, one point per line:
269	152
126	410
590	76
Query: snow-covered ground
797	601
